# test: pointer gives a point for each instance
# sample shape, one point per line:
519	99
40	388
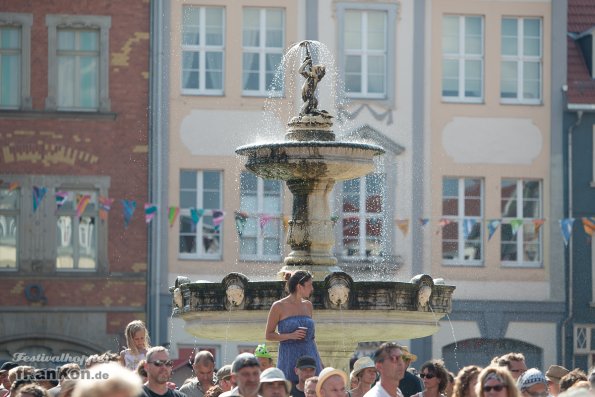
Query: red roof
581	87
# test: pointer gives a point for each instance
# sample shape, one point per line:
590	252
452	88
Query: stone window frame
25	22
37	234
391	41
103	24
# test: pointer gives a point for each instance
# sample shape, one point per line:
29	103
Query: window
520	236
462	58
78	62
203	38
367	49
200	191
521	63
362	216
76	230
462	213
9	227
15	50
261	200
263	41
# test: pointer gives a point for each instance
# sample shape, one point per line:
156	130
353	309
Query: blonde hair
105	379
132	328
500	372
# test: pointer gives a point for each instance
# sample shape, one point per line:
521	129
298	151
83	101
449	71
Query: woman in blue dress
290	323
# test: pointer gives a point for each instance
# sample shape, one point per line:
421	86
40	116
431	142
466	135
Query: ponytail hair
299	277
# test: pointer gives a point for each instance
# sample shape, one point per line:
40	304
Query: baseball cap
224	372
305	362
7	366
244	360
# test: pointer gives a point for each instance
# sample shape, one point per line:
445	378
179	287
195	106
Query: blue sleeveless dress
291	350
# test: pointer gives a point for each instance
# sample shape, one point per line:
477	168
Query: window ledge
40	114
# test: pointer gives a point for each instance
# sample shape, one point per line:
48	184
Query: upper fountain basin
310	159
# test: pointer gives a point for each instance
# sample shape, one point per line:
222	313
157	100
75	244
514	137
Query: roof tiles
581	87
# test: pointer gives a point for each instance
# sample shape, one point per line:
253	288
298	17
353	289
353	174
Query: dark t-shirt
295	392
410	384
170	393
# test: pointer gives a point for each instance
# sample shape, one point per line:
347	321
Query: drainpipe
570	300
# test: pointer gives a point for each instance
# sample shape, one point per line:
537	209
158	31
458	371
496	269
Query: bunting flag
286	222
515	224
441	223
150	212
424	221
263	220
173	214
537	224
217	219
589	225
468	227
403	225
566	227
492	227
61	198
13	186
82	201
241	218
38	194
334	219
105	205
196	214
129	207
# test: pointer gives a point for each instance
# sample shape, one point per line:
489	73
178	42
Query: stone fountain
310	160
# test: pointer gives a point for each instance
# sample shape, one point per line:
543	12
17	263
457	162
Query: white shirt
379	391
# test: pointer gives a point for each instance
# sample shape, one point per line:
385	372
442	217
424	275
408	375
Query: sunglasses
161	363
488	389
427	376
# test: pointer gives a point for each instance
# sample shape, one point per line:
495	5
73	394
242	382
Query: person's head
331	383
571	378
46	377
515	362
305	367
158	366
224	378
264	357
141	371
69	371
364	370
274	384
245	371
434	375
137	336
465	381
532	383
496	381
592	378
7	366
108	357
389	362
21	372
553	376
32	390
310	386
109	379
67	387
300	280
203	367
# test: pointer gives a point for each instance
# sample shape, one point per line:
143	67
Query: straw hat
407	355
326	373
361	364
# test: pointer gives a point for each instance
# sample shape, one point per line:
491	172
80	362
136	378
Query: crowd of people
144	371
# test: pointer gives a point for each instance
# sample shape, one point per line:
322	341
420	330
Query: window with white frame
521	60
367	49
9	227
462	58
76	233
203	50
520	235
200	214
462	214
15	50
78	63
362	216
584	345
260	200
263	39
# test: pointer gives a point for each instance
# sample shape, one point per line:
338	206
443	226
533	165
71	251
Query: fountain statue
310	160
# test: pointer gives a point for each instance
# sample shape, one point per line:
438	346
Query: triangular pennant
38	194
196	214
173	214
468	227
105	205
263	220
82	201
61	198
566	228
424	221
515	224
218	216
129	208
334	219
286	221
150	212
241	218
589	225
403	225
537	224
13	186
492	227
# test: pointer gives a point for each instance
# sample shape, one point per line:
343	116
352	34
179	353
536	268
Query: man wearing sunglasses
159	368
388	359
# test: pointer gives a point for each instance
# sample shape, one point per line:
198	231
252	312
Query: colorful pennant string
129	208
38	194
150	212
82	201
105	205
172	215
241	218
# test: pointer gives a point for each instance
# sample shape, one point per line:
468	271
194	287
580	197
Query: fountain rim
246	149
